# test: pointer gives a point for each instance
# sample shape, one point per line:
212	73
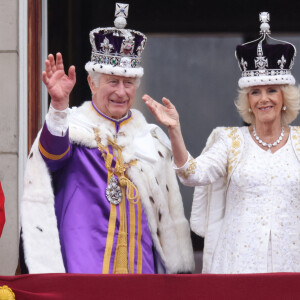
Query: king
101	195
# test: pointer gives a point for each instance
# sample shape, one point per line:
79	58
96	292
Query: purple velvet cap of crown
116	41
265	64
273	52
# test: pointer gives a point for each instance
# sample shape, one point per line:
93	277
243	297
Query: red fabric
2	212
121	287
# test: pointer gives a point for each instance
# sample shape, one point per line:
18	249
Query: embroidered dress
260	231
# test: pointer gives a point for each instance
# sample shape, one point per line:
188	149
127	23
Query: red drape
151	287
2	212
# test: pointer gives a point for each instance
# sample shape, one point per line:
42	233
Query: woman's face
266	102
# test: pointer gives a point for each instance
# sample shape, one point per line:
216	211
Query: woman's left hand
167	115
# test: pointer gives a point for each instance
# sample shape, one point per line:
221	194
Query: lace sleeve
207	167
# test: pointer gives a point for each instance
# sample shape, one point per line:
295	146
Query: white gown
261	226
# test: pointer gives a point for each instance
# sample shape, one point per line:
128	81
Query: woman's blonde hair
291	99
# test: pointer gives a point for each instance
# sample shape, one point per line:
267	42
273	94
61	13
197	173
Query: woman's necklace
260	141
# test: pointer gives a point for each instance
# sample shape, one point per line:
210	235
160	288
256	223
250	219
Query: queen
247	197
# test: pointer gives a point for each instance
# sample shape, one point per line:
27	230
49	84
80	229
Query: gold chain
132	194
119	169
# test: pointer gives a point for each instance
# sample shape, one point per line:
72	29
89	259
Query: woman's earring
284	108
250	110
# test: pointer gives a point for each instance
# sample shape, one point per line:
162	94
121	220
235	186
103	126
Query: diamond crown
117	46
259	58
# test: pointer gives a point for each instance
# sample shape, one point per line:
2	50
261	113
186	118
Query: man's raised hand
58	83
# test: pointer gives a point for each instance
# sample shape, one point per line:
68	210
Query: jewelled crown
263	63
115	50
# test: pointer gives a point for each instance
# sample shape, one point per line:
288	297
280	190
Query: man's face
114	95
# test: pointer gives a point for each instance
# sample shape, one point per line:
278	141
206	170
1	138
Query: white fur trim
39	225
111	70
266	80
161	135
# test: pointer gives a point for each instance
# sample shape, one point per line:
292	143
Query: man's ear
92	85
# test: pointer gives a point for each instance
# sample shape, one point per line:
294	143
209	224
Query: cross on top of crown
264	18
121	10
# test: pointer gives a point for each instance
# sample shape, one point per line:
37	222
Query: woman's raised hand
165	114
58	83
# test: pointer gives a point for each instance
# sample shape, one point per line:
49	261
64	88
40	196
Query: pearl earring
284	108
250	110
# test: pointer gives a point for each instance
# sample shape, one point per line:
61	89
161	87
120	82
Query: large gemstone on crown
114	61
127	49
125	62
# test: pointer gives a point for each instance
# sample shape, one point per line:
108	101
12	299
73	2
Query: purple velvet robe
83	212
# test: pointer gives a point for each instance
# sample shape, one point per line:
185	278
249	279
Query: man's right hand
58	83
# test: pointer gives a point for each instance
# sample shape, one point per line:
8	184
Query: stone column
9	132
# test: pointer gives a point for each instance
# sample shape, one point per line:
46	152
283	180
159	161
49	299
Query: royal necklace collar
269	145
117	181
